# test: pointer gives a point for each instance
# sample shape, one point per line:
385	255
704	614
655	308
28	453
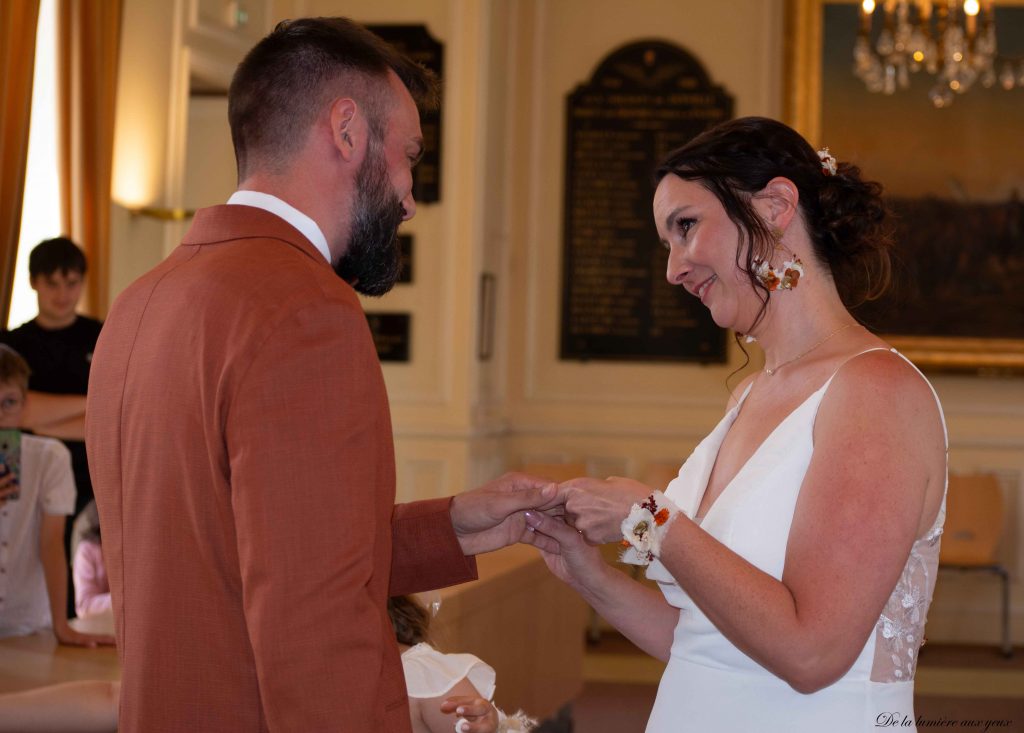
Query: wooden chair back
974	520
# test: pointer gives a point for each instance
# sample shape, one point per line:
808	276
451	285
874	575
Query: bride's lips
702	289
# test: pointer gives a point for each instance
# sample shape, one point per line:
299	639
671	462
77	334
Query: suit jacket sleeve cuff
425	551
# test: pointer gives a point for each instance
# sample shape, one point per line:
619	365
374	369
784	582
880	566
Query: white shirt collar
286	211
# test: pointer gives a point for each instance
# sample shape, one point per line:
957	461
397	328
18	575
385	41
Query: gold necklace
802	354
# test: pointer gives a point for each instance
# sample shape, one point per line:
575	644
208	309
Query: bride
796	551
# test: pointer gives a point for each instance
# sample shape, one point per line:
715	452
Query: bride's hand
566	553
597	507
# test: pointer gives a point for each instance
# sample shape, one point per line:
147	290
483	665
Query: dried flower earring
788	277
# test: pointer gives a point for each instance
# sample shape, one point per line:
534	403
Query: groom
238	426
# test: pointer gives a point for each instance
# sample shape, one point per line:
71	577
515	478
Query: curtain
89	35
17	58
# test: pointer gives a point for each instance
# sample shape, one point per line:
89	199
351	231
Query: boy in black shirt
58	345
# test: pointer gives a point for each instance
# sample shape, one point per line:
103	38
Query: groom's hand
490	517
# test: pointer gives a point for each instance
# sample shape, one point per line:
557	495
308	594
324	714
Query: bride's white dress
709	684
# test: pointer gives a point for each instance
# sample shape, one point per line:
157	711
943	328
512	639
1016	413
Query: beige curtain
89	35
17	57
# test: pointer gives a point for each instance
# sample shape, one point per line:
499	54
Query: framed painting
953	175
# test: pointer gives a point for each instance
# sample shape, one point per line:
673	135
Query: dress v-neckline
731	418
734	413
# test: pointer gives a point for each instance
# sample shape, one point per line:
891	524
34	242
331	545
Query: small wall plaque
405	245
391	335
416	42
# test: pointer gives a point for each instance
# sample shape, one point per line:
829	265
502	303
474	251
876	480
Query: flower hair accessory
829	166
645	527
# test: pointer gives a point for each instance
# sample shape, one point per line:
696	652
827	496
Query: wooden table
37	660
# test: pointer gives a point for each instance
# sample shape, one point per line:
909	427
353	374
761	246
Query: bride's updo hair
846	219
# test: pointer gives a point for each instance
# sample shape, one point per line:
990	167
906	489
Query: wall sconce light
155	212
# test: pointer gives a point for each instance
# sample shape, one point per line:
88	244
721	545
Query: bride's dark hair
845	216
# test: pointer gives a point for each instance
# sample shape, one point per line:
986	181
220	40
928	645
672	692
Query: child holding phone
37	492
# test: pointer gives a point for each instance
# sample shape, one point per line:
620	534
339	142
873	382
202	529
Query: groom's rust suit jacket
240	444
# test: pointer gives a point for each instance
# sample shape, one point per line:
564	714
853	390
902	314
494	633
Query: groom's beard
372	260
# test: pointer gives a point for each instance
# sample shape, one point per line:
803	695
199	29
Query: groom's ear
348	129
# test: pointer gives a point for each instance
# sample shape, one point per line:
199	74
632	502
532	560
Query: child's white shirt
47	486
429	673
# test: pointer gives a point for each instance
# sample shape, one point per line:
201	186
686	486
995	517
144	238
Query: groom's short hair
286	79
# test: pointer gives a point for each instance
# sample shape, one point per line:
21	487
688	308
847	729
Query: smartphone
10	456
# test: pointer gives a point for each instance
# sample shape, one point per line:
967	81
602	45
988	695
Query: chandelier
953	40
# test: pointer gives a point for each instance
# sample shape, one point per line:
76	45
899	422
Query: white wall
210	176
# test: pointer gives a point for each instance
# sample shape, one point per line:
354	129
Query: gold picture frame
802	104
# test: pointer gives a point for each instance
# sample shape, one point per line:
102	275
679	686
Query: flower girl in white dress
441	686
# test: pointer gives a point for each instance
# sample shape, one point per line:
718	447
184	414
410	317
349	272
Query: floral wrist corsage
645	527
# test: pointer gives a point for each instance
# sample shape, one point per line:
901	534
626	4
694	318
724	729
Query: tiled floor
959	688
